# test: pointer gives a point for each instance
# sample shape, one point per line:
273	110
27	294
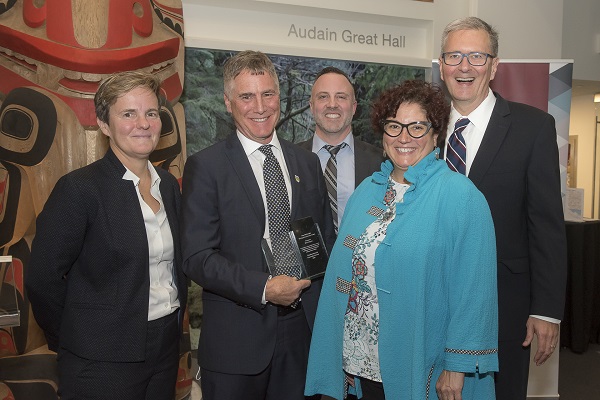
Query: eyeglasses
416	129
475	58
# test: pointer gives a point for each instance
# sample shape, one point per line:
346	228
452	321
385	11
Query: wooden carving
53	54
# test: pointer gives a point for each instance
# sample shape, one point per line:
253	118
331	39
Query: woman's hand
350	380
449	385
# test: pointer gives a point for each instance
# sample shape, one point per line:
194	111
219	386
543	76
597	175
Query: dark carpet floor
579	374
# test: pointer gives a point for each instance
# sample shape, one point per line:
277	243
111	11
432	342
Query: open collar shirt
345	169
163	298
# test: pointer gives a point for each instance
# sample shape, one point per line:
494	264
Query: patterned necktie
456	152
278	214
331	180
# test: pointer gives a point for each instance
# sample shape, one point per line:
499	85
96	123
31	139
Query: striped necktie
331	180
456	152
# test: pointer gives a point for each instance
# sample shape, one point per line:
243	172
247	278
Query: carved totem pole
53	54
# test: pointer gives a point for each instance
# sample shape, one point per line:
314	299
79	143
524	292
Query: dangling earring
384	154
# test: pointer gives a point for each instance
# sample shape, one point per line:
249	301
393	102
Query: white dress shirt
473	133
163	298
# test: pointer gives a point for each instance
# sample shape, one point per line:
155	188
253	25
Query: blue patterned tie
278	214
456	152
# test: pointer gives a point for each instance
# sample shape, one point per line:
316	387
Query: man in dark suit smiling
255	333
512	157
333	104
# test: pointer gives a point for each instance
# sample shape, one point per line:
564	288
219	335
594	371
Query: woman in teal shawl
409	301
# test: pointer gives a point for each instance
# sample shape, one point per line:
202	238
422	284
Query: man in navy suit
512	157
256	327
333	104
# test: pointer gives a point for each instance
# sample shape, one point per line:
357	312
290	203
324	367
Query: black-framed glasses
475	58
416	129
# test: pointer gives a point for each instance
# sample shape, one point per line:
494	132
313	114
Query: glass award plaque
304	251
10	314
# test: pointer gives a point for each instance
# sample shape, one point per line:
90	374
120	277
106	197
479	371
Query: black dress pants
151	379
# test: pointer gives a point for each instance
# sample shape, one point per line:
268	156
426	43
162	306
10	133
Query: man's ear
227	103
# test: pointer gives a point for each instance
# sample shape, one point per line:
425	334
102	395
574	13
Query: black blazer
517	170
367	158
223	225
88	278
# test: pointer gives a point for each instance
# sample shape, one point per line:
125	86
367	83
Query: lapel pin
297	178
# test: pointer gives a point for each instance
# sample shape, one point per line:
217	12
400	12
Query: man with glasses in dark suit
509	151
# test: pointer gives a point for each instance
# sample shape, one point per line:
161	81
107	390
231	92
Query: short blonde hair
120	83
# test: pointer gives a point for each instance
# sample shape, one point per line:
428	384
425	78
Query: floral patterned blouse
361	322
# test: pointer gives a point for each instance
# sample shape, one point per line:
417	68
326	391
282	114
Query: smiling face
133	126
404	150
253	101
333	105
468	85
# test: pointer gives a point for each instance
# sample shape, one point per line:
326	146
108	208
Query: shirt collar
318	143
130	176
480	116
250	146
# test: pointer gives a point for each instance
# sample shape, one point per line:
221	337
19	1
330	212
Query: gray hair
474	24
248	60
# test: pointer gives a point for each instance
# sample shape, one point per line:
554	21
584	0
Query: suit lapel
292	166
309	142
493	137
239	161
122	200
171	205
360	163
123	196
168	197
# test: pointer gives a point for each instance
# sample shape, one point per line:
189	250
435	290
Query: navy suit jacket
88	279
223	225
517	170
367	158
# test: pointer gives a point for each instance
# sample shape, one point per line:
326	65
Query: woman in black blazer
105	280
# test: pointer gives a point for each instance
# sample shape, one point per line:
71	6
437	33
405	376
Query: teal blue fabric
436	284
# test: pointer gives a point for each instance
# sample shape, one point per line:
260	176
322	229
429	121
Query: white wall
535	31
581	37
528	29
581	42
532	29
583	125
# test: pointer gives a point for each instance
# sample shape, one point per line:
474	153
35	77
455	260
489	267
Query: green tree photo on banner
208	122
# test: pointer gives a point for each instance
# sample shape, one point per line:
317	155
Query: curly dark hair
429	96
